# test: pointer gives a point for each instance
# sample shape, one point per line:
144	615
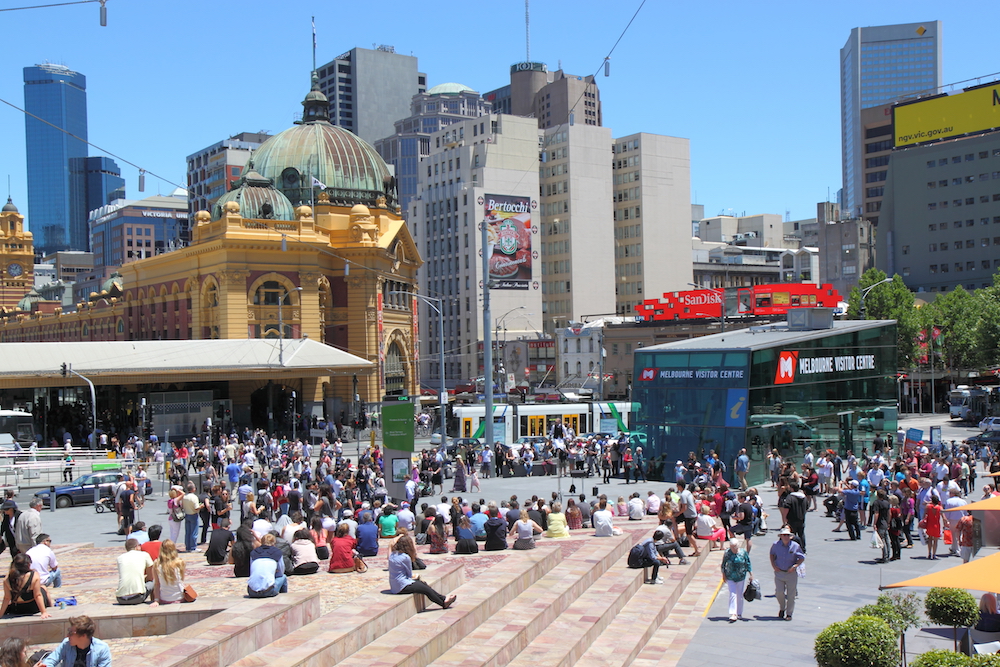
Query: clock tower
17	257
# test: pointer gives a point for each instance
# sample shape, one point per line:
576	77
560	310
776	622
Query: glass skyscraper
93	182
880	64
58	95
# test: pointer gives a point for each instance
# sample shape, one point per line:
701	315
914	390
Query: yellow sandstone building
310	241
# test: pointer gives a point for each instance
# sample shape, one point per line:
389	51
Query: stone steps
336	635
569	635
496	641
631	629
420	640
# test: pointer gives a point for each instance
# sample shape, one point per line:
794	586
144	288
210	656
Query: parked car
990	424
81	490
991	438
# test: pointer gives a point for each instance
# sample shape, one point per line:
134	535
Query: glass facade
822	392
59	96
93	182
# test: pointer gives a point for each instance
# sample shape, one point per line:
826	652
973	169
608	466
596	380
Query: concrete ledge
114	621
230	634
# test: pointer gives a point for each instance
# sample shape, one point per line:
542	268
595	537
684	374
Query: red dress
932	515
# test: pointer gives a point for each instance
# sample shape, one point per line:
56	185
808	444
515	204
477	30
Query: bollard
52	498
593	492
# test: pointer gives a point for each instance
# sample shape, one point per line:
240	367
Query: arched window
579	369
591	366
395	370
565	346
578	346
590	345
270	292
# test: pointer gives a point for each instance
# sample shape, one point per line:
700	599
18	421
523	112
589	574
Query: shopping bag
876	542
947	536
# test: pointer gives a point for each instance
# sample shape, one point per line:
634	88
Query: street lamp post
496	338
864	293
437	304
722	304
281	326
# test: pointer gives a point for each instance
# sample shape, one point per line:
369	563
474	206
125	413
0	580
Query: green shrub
860	641
985	660
940	657
951	606
884	611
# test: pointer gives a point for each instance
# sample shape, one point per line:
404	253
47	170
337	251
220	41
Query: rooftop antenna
314	42
527	31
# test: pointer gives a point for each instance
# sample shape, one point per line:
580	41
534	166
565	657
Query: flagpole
314	42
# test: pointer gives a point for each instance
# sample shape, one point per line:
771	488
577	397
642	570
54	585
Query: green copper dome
314	156
449	89
257	197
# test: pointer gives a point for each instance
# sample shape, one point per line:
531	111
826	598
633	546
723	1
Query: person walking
881	510
786	555
742	468
797	505
736	567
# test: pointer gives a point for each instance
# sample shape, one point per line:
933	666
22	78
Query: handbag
177	513
752	591
190	594
922	525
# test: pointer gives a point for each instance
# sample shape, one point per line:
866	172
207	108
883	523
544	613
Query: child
475	481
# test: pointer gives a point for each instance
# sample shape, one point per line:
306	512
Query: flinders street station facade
333	265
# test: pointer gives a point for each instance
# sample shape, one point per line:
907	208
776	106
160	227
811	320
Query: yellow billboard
947	116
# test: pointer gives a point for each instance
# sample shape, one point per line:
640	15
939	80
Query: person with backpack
644	554
797	505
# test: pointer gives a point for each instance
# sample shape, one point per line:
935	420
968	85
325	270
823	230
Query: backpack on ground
635	557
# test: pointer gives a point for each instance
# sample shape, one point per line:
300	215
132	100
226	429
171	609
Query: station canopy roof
149	361
763	337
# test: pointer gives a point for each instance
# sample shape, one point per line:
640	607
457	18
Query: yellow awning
992	503
982	574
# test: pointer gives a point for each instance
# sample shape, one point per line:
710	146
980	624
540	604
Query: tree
860	641
892	301
958	313
900	611
952	606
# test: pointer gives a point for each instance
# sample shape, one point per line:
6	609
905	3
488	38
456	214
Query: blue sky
754	86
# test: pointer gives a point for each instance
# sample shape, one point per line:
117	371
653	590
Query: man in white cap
406	519
352	525
786	555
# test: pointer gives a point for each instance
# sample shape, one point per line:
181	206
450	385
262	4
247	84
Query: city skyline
143	88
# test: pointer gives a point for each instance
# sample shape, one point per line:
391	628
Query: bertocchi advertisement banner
508	233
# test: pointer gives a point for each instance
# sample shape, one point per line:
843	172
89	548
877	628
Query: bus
512	421
968	403
19	424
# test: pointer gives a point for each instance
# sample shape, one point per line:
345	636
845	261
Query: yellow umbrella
991	503
977	575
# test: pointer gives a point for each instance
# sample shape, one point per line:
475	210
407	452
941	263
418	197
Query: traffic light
65	369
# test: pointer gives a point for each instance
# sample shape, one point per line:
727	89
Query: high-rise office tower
551	97
369	90
442	105
58	95
479	168
212	170
877	65
652	229
93	182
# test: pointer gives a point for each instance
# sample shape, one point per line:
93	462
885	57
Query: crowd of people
275	509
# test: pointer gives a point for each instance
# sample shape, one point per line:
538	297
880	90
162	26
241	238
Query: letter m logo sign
785	374
648	374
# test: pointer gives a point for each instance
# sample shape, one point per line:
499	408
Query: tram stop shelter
251	382
810	382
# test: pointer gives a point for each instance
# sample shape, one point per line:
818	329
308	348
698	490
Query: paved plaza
840	575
